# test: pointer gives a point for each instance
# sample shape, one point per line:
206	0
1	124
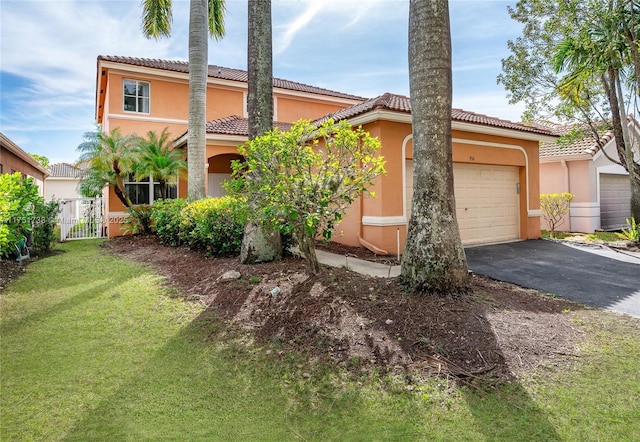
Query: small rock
388	322
230	275
306	375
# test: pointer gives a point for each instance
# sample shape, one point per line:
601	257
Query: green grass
95	348
596	236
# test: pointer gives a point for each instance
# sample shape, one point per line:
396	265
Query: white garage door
487	201
615	197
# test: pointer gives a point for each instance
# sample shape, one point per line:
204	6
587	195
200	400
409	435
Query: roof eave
405	117
19	152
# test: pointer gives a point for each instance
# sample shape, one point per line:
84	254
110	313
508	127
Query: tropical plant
306	178
157	158
204	15
139	220
433	259
579	61
554	207
108	159
631	232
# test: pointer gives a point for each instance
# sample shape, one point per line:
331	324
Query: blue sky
48	51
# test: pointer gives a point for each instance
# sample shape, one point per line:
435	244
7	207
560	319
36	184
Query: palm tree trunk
433	260
260	68
198	68
260	243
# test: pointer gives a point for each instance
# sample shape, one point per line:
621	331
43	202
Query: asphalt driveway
552	267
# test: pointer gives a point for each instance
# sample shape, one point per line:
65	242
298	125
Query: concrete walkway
358	265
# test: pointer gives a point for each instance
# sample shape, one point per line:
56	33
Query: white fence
82	218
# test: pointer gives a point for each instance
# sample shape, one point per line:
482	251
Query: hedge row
215	225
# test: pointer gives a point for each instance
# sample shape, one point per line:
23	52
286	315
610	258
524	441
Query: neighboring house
495	161
14	159
601	188
63	182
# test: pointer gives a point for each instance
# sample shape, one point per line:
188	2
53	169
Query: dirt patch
497	331
10	270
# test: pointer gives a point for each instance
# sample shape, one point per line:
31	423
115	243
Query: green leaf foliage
306	177
215	225
24	214
166	216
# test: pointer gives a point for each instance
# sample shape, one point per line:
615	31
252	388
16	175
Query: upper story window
136	96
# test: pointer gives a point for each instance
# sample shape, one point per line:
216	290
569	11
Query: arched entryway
219	170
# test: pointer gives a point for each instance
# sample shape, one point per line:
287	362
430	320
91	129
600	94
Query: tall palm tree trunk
260	244
433	261
198	67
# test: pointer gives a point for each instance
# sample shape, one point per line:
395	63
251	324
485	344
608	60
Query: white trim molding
143	117
584	209
382	221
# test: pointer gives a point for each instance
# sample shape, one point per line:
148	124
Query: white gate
82	218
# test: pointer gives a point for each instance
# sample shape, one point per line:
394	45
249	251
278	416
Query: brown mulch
497	331
10	270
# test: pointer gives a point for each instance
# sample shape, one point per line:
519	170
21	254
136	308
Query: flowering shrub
554	207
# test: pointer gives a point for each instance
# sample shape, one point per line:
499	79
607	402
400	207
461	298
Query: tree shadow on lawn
94	290
372	328
206	383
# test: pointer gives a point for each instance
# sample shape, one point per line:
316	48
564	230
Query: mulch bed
498	331
10	270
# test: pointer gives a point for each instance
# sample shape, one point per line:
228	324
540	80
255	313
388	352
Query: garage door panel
615	197
487	204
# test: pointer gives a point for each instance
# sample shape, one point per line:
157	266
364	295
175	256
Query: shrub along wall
215	225
25	215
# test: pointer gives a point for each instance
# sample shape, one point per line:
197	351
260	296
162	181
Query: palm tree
601	53
433	259
158	160
204	15
259	243
108	159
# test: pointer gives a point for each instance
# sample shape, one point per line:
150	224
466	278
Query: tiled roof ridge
402	103
64	170
587	145
236	125
224	73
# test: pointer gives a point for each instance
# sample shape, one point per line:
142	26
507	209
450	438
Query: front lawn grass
94	347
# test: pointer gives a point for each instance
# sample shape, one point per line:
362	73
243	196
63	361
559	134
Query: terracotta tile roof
401	103
224	74
64	170
235	125
583	146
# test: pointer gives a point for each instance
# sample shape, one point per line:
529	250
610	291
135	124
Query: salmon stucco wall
382	223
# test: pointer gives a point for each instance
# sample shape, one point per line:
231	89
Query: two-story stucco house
495	161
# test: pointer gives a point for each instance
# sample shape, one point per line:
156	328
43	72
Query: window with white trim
146	191
136	96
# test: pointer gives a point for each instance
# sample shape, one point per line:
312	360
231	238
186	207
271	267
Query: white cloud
290	30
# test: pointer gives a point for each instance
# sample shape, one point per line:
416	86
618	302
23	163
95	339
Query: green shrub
18	199
214	224
139	220
554	207
44	226
166	216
